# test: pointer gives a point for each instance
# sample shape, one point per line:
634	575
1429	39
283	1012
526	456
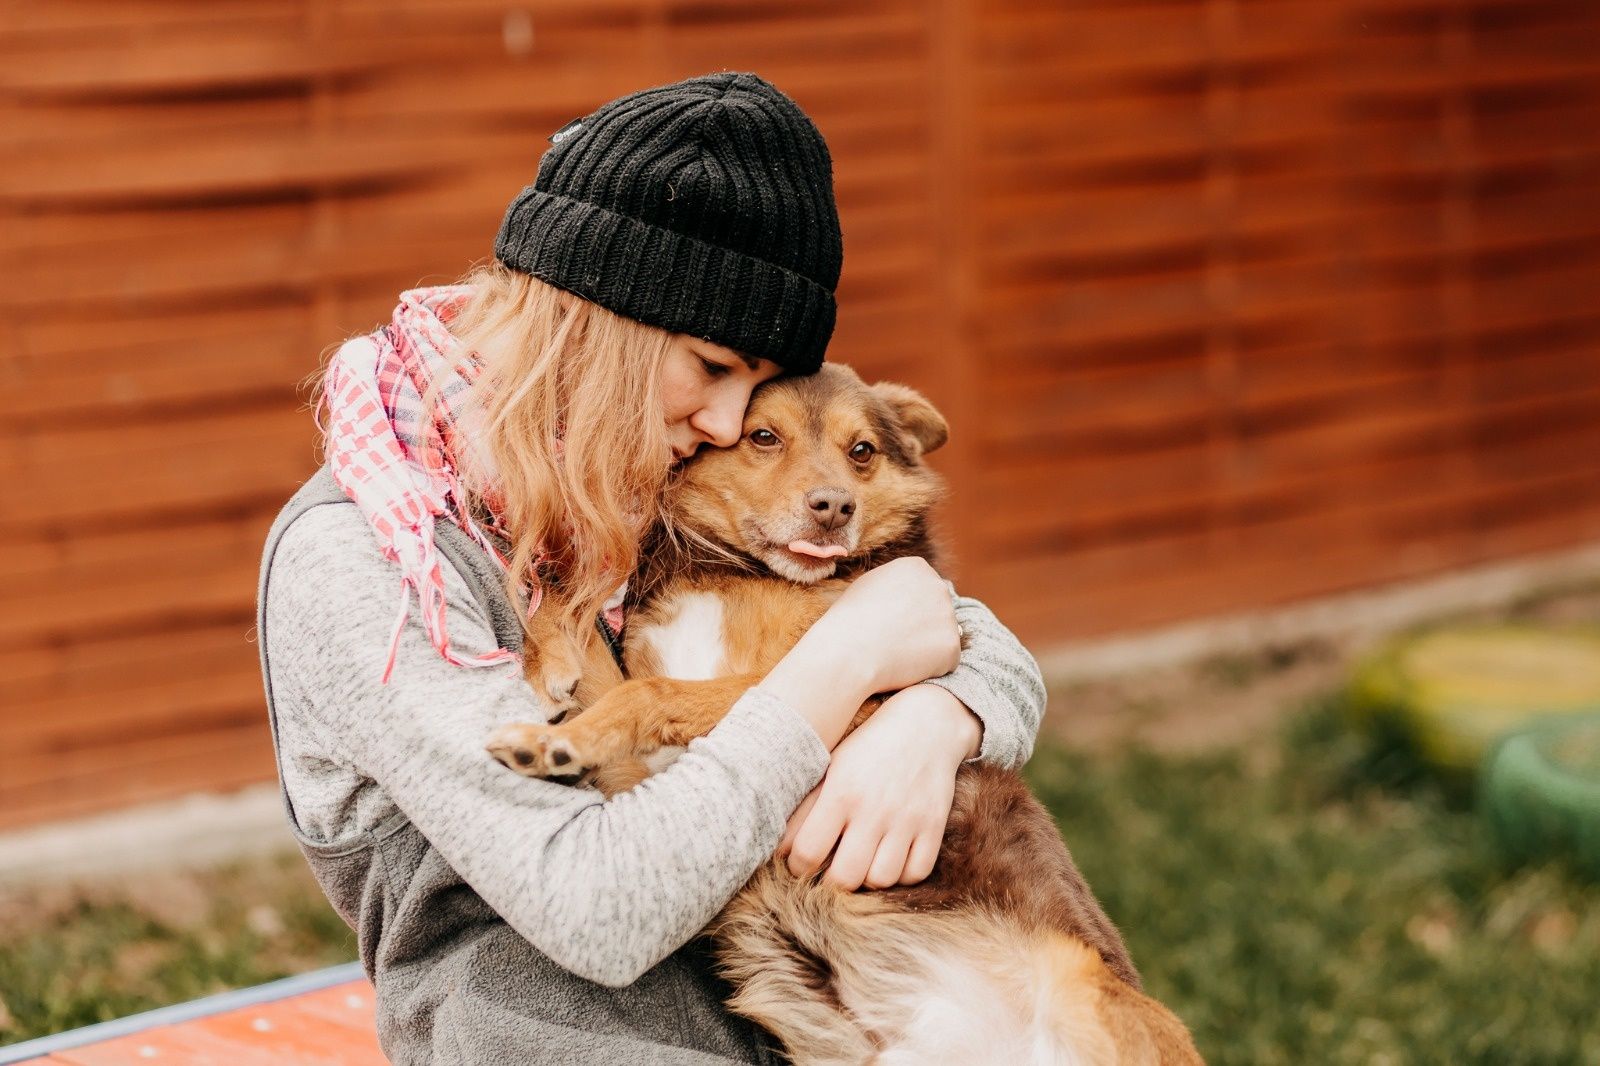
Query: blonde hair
570	436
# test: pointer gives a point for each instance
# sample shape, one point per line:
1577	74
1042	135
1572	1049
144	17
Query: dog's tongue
817	551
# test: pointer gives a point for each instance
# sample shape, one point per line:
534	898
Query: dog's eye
862	452
763	438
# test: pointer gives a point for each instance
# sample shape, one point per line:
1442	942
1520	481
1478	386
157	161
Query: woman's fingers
796	820
816	837
889	864
924	853
853	857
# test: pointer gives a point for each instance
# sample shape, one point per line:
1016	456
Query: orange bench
324	1018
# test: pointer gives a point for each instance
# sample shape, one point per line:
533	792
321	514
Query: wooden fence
1229	302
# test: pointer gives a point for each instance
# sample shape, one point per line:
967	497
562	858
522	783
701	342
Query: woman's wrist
822	679
952	722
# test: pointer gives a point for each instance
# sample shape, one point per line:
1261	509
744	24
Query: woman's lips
817	551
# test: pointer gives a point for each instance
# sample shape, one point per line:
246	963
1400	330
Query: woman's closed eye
715	369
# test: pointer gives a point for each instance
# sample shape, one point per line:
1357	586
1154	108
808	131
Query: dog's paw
561	694
537	751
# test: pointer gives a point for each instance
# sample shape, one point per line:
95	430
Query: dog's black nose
831	508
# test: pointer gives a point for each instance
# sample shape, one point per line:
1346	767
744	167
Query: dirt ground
1232	700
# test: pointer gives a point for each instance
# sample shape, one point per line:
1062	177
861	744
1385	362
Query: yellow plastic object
1454	692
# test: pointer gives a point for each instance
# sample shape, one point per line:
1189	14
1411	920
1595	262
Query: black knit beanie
703	207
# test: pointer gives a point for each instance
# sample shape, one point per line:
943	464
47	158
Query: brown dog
1003	953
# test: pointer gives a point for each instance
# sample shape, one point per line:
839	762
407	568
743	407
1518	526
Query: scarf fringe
375	384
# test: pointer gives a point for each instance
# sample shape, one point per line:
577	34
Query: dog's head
829	471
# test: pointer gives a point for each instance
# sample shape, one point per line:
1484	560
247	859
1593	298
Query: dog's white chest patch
690	646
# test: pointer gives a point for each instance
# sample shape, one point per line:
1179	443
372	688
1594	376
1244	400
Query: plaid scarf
400	466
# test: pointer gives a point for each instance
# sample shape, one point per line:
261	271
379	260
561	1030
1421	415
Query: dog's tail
1093	1016
850	977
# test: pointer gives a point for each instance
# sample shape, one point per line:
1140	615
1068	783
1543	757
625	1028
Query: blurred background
1233	305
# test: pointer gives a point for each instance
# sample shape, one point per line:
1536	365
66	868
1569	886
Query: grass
70	958
1332	906
1305	900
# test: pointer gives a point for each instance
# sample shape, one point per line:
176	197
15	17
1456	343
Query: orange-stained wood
329	1027
1230	304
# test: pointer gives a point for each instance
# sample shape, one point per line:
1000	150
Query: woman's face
705	389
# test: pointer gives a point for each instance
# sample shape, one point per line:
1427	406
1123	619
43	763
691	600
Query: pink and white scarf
400	466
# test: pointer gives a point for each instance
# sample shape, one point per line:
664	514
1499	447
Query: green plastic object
1452	694
1541	792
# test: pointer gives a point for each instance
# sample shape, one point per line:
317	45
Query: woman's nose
721	422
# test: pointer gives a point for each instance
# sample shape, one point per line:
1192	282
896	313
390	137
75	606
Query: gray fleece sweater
455	872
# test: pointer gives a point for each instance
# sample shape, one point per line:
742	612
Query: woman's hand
887	794
895	626
898	619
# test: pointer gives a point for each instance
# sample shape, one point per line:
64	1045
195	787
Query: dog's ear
924	427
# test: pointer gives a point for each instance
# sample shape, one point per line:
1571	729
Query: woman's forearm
894	627
823	681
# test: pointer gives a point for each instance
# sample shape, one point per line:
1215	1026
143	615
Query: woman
679	246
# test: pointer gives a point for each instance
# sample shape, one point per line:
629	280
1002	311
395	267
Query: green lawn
1330	906
69	959
1301	901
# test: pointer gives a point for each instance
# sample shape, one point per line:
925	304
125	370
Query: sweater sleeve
605	888
999	682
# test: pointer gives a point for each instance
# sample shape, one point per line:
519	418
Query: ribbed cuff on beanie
667	279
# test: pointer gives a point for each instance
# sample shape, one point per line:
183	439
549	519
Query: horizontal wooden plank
288	1006
1150	596
352	1005
1084	504
227	461
83	125
41	26
1400	432
106	578
1265	221
144	367
195	62
1254	521
175	1044
1048	316
262	162
129	771
1202	571
1371	168
1282	199
95	662
38	26
292	1035
203	701
1193	405
751	37
40	749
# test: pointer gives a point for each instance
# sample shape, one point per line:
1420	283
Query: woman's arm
1000	683
881	810
605	889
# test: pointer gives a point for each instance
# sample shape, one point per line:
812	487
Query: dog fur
1002	954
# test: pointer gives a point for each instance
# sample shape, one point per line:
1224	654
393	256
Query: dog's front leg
569	673
609	740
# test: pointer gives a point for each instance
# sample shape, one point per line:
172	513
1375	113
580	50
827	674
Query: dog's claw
535	751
